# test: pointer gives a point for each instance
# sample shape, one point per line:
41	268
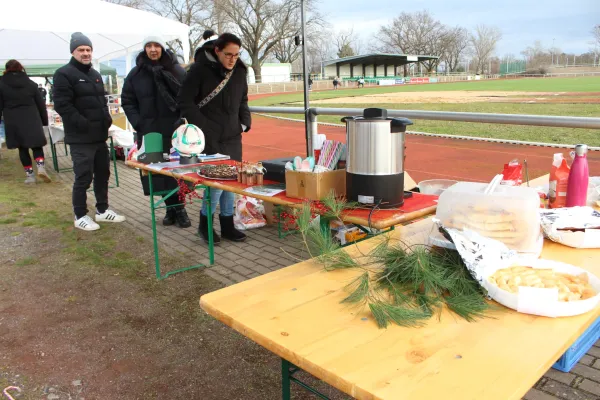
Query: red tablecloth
417	202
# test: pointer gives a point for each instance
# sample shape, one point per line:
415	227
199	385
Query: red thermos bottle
578	178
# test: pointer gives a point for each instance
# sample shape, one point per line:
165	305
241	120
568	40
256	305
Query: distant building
375	65
272	73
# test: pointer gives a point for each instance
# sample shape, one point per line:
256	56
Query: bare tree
319	49
286	50
197	14
218	19
484	41
416	33
262	24
457	44
595	43
535	52
538	56
139	4
346	42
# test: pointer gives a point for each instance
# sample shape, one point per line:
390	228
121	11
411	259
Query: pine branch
401	284
385	313
335	207
470	307
338	259
360	289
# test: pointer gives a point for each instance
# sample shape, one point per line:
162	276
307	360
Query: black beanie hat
79	39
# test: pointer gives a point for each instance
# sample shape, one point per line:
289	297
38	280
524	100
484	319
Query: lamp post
305	76
552	62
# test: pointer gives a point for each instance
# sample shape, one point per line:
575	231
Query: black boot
228	230
203	230
170	218
183	220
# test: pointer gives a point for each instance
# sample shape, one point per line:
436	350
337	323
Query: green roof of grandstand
381	58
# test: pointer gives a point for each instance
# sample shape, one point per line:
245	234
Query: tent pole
127	62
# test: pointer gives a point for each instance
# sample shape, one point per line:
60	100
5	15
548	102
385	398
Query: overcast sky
521	21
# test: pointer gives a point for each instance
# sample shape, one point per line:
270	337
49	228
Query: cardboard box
312	186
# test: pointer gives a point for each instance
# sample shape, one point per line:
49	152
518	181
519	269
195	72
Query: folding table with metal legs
113	155
161	204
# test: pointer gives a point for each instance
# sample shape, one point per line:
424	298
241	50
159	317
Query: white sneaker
85	223
43	175
109	216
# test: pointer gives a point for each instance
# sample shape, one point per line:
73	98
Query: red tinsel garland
187	194
290	220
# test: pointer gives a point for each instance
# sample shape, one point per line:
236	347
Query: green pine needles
400	284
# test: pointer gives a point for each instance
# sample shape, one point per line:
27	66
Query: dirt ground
459	97
82	317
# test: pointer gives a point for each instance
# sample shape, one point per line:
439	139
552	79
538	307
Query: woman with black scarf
149	98
222	119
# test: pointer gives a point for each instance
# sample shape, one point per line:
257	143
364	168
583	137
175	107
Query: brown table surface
296	313
418	206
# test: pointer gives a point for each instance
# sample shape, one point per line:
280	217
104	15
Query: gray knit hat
155	39
79	39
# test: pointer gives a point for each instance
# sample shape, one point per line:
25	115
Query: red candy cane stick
5	391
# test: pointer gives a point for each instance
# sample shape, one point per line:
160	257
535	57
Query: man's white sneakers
109	216
85	223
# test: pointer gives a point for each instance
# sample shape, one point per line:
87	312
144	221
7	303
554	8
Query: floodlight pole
305	76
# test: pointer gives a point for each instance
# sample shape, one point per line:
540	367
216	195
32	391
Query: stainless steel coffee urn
375	158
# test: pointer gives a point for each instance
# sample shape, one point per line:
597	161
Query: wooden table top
418	206
296	313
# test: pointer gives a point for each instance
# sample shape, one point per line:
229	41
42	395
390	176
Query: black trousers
91	162
25	157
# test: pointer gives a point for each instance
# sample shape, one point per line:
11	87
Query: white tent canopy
39	31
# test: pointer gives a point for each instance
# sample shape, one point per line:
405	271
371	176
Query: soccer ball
188	140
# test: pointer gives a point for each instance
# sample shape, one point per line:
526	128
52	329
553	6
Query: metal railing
507	119
553	75
322	84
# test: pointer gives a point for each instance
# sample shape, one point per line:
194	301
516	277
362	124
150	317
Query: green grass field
512	132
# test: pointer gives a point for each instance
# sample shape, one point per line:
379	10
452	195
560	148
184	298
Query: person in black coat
222	119
208	36
149	99
25	116
80	100
43	92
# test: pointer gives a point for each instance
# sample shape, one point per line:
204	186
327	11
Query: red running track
426	157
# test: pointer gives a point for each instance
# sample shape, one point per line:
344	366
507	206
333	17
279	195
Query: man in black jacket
222	119
80	100
149	100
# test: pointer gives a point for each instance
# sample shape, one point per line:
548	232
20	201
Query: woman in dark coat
222	119
149	99
25	116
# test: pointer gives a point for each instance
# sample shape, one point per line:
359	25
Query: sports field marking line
514	154
445	176
457	137
270	148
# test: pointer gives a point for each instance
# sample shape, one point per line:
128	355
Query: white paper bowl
544	302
